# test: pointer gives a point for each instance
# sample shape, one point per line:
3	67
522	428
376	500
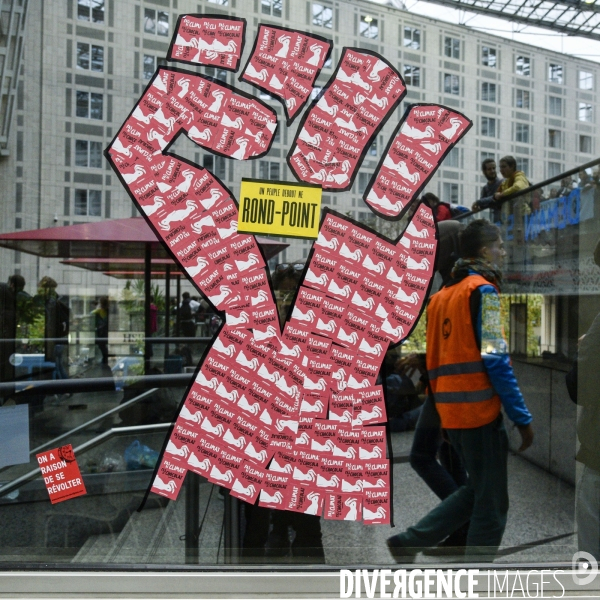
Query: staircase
156	535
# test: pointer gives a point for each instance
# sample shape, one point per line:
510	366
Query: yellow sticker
279	208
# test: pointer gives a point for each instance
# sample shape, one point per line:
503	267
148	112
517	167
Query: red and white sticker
209	40
61	474
336	132
285	63
417	148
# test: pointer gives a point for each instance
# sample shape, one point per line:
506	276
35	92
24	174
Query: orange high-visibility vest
461	387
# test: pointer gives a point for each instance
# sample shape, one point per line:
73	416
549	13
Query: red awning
117	238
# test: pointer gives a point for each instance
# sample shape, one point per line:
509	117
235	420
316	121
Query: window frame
452	47
523	69
580	72
522	133
414	74
271	5
156	20
485	59
415	32
489	95
362	31
556	73
322	22
96	193
90	98
588	138
554	138
523	93
90	57
553	102
95	156
488	121
101	6
451	87
589	114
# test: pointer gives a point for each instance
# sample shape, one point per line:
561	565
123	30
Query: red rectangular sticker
61	474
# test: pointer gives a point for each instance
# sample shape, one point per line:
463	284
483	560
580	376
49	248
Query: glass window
215	164
90	57
452	158
523	164
149	20
522	99
89	105
522	66
488	57
554	169
322	15
522	133
219	74
156	21
452	47
451	84
271	7
450	193
412	75
88	154
554	138
555	73
96	106
221	2
555	106
586	80
488	126
369	27
584	111
488	92
90	10
363	181
268	170
327	63
585	144
88	203
412	38
149	66
373	147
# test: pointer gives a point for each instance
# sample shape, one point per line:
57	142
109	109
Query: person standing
187	321
101	327
56	328
471	378
486	198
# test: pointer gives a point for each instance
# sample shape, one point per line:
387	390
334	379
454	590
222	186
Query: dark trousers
483	499
445	478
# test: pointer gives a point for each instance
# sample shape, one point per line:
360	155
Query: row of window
522	134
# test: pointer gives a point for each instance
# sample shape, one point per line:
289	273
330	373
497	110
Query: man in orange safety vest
471	378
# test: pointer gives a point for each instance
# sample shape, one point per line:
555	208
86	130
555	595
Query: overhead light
368	19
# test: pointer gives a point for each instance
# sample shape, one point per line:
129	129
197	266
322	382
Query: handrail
81	449
94	384
117	408
93	339
532	188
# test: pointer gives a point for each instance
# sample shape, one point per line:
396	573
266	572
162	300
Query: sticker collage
288	414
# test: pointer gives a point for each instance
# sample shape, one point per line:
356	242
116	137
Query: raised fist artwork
287	414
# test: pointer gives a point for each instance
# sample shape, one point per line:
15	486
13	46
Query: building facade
86	62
